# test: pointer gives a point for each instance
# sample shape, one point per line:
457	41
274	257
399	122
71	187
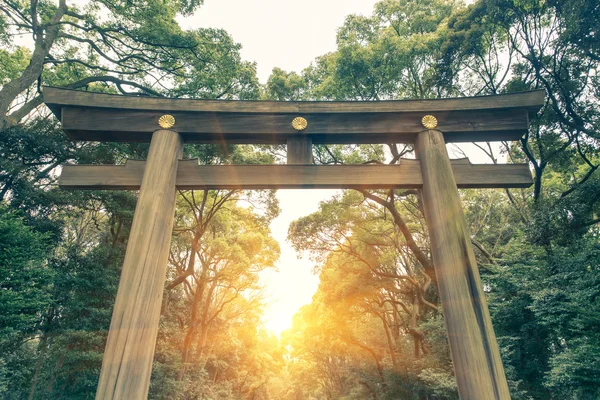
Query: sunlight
294	284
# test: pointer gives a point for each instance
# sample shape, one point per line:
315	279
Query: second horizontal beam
190	175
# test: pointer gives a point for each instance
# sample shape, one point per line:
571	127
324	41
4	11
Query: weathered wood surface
127	362
102	117
56	98
299	150
133	126
477	363
190	175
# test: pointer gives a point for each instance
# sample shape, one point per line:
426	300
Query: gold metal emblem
166	121
429	121
299	123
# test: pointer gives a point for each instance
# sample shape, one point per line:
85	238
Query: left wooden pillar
129	352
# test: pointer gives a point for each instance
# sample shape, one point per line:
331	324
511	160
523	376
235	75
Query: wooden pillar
127	362
299	150
477	363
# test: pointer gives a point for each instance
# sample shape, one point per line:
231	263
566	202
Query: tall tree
374	296
137	48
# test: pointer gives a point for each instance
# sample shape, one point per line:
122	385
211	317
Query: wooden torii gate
168	123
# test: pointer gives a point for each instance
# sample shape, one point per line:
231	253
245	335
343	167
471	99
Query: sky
294	284
279	33
289	35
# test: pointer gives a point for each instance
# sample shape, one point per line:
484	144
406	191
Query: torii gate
168	123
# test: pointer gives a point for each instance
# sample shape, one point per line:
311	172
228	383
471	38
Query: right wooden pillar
475	355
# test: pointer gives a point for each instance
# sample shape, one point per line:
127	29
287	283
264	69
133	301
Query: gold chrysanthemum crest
429	121
299	123
166	121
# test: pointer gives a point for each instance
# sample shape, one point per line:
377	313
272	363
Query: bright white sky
289	35
279	33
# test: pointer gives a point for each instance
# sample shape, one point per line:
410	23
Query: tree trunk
43	44
38	366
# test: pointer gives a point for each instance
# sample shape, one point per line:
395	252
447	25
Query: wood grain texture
127	362
104	117
56	98
190	175
124	125
476	358
299	150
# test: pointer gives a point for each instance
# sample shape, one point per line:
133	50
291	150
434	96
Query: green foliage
390	55
25	280
118	47
285	86
537	249
12	63
115	47
219	303
370	312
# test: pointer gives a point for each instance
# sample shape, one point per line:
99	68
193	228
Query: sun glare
294	284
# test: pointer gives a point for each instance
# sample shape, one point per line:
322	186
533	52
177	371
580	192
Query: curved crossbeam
104	117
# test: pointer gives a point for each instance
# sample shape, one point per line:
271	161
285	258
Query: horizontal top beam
56	98
105	117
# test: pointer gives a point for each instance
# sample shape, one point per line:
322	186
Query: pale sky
279	33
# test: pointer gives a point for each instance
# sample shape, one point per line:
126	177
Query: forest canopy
374	328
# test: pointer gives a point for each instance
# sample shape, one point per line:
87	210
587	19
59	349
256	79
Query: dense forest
374	328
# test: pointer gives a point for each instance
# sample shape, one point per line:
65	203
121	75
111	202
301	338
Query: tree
120	46
215	308
283	86
390	55
24	280
373	329
373	296
549	46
